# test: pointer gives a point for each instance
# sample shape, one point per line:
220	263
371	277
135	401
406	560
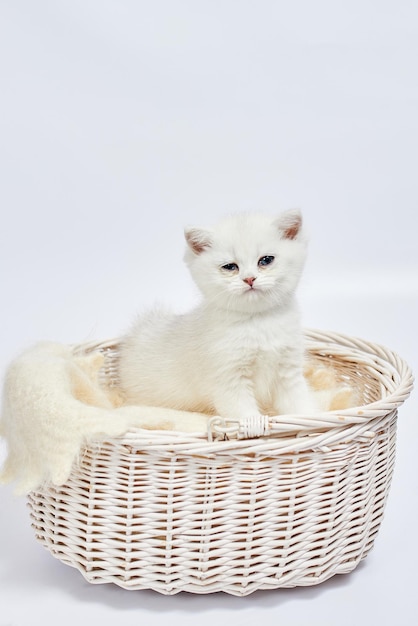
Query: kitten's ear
289	223
197	239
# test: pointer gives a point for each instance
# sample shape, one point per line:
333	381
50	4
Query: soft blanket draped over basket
53	405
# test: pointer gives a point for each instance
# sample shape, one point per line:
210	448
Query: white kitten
240	353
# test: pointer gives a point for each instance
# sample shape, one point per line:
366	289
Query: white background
123	121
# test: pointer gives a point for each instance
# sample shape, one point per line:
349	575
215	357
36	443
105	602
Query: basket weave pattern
175	512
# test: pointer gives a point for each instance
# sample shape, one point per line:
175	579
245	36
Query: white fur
53	405
240	352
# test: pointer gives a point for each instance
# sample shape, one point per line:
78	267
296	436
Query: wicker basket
278	502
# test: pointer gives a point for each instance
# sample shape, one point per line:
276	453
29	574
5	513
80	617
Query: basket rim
290	432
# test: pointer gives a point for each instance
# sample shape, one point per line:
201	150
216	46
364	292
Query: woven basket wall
175	512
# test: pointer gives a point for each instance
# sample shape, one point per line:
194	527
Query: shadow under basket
293	506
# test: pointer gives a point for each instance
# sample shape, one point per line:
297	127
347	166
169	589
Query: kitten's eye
230	267
265	260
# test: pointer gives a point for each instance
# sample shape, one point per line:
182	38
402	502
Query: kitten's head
248	262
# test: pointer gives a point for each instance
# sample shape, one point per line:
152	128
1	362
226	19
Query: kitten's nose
249	281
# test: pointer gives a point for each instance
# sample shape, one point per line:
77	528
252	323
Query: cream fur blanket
53	405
